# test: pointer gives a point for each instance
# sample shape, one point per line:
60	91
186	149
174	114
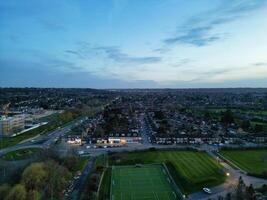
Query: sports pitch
191	170
148	182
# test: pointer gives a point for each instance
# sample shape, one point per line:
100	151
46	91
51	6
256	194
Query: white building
124	140
76	141
11	125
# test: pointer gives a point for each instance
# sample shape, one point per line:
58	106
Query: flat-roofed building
11	125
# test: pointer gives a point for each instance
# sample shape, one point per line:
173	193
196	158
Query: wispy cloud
260	64
113	53
197	30
194	36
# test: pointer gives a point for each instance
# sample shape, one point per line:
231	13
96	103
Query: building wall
11	125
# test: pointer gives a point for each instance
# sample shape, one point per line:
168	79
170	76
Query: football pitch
146	182
191	170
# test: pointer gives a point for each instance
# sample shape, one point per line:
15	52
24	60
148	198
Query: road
79	183
42	141
144	130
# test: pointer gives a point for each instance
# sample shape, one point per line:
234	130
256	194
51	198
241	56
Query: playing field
252	161
148	182
191	170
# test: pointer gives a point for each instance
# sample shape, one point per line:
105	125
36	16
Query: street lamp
227	174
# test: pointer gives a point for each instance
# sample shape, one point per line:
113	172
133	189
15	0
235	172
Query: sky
133	43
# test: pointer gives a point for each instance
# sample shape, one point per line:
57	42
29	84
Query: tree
58	176
245	124
33	195
258	128
159	115
228	196
264	174
4	190
227	117
99	132
70	162
240	190
207	116
220	197
34	177
250	192
18	192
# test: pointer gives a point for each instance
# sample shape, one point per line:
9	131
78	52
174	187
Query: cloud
194	36
260	64
76	53
113	53
197	31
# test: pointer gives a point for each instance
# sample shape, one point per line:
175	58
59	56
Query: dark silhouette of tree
207	116
245	125
228	196
159	115
240	189
250	192
227	117
258	128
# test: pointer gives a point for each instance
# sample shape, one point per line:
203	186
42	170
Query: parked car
207	190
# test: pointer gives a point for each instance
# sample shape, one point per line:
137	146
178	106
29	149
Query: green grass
190	170
252	161
104	190
80	164
21	154
141	183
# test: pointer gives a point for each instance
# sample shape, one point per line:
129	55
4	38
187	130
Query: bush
4	190
18	192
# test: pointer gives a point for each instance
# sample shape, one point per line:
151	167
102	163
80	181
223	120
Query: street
44	141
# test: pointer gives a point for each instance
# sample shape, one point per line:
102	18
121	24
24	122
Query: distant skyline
133	44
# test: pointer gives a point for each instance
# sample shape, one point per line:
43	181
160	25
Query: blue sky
133	44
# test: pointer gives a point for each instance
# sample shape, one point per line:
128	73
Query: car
80	152
207	190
